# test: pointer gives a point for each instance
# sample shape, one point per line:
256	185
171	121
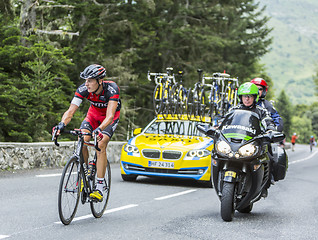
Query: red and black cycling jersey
99	102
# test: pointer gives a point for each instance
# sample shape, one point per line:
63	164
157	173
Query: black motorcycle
240	161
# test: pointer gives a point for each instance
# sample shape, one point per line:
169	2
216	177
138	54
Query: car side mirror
137	131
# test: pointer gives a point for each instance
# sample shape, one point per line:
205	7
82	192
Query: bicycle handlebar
77	132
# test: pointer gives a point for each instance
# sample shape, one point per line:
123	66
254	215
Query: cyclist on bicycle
101	119
262	88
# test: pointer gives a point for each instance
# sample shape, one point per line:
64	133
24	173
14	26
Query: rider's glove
98	132
59	126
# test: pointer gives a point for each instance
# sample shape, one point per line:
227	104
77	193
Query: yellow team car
168	148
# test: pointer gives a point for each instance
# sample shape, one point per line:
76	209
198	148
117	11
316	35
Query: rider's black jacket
273	113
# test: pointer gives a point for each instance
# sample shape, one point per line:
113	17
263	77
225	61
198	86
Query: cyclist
311	142
101	119
262	88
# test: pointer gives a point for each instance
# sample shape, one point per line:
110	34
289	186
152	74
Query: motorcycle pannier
280	163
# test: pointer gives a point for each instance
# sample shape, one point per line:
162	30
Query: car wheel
129	178
206	184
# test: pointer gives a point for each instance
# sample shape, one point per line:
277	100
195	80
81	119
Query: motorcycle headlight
131	149
223	147
247	150
197	153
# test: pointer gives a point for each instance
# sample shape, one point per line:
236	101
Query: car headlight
247	150
197	153
131	149
223	147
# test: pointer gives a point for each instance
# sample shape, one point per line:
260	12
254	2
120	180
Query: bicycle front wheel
69	191
98	208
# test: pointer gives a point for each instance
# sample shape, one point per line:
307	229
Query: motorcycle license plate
159	164
230	174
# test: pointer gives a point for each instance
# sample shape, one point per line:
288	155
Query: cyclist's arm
68	115
111	110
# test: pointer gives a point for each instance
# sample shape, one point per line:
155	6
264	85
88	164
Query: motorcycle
240	161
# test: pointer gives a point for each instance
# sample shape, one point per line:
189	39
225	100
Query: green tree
34	87
129	38
301	126
284	108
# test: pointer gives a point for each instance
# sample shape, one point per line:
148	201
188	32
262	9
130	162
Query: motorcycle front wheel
227	201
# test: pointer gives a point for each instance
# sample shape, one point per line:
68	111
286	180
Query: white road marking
176	194
303	159
4	236
49	175
107	211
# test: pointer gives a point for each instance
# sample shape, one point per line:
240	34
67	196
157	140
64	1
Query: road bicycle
211	94
162	95
77	181
195	100
178	97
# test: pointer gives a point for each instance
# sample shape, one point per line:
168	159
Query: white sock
100	184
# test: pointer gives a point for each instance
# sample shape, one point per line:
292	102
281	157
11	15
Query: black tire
157	100
189	103
182	101
203	104
247	209
227	201
173	99
129	178
69	191
206	184
166	102
98	208
211	105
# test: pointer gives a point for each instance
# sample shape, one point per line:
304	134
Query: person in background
293	141
311	142
262	90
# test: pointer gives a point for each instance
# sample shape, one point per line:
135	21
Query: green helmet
248	88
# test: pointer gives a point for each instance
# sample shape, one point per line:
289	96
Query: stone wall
37	155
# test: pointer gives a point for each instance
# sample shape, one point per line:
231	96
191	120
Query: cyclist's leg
102	157
87	126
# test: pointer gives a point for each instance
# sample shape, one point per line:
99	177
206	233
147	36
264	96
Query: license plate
230	174
158	164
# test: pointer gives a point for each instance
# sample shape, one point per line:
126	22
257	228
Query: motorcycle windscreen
241	124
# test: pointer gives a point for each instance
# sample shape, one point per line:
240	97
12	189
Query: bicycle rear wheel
189	103
69	191
98	208
157	100
181	104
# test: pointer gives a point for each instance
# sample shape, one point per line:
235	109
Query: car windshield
186	128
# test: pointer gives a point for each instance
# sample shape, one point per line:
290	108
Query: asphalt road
162	208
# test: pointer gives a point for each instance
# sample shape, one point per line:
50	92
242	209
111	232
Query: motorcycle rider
262	88
248	94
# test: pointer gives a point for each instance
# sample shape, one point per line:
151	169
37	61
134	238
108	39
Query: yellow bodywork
167	155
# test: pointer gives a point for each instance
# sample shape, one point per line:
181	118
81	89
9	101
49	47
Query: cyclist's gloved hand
98	132
59	126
